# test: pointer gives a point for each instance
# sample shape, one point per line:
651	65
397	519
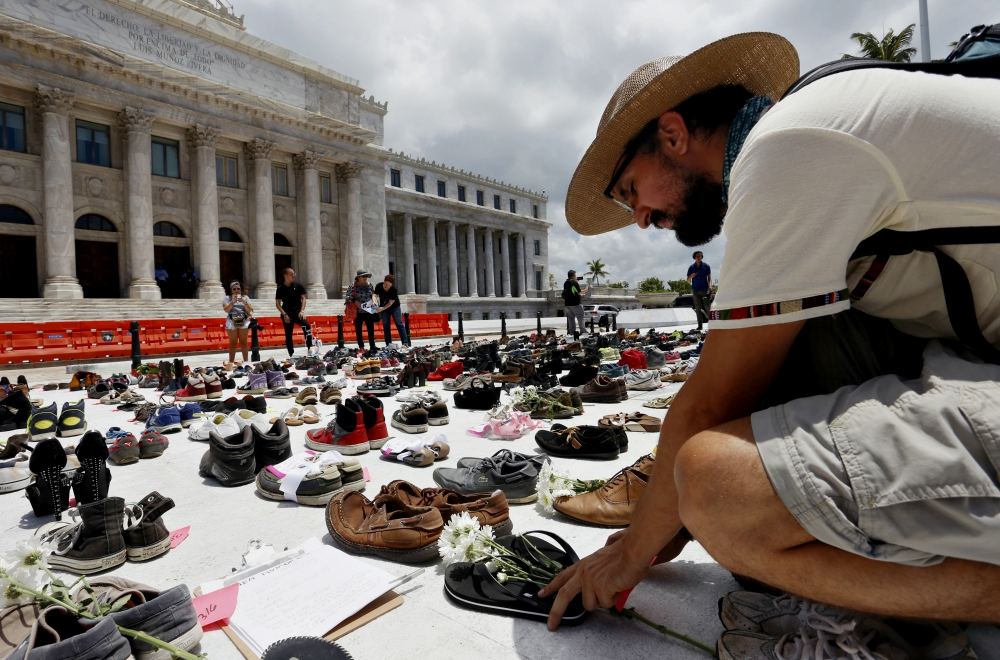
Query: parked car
601	314
687	300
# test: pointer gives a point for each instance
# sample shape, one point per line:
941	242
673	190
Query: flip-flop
472	585
310	415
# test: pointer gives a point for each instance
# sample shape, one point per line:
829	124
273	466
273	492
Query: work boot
146	536
60	635
93	543
230	460
165	375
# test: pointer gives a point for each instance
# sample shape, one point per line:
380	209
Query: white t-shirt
843	158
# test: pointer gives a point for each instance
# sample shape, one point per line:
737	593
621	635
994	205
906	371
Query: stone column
452	260
202	140
258	154
471	251
432	280
522	289
136	124
491	291
355	252
57	201
505	262
408	279
306	165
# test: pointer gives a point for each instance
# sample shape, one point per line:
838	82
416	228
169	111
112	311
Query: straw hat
766	64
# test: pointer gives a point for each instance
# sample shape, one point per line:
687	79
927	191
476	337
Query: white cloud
514	89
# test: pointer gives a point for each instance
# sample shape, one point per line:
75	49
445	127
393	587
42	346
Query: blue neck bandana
745	120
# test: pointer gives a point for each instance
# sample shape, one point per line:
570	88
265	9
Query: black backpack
977	55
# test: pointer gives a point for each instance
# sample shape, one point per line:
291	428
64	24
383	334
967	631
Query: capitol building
143	136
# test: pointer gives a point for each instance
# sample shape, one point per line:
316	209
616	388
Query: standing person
574	310
238	312
290	299
389	308
189	282
161	276
361	294
700	277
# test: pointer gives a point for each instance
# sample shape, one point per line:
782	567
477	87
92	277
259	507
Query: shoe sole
148	552
72	432
214	395
377	444
12	486
409	428
605	399
196	397
184	642
152	453
37	437
186	423
169	428
426	553
308	500
346	450
88	566
251	391
438	421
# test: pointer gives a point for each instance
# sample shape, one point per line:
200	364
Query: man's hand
302	315
599	578
285	318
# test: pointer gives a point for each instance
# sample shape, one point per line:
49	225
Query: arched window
167	229
14	215
94	222
227	235
281	241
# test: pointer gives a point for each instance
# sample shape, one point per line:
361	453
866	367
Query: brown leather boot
388	527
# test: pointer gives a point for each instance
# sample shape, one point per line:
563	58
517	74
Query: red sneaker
374	419
634	359
194	390
346	433
213	385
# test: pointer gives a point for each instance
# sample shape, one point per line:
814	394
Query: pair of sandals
418	452
635	421
296	416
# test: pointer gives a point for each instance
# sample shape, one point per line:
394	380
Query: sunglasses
631	149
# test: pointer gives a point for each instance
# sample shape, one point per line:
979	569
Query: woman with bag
238	312
362	307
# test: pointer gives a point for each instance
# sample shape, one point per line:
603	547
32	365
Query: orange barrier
53	341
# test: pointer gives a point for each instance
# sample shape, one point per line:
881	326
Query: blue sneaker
611	371
113	434
166	419
191	413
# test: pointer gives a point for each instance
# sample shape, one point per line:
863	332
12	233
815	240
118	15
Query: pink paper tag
177	537
368	476
216	606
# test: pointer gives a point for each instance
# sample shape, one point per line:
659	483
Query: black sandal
472	585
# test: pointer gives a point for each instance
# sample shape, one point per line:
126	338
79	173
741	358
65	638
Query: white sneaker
244	417
222	425
642	379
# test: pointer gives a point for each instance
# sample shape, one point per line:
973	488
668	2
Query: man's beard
702	212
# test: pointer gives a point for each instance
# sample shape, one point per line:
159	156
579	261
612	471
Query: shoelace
826	638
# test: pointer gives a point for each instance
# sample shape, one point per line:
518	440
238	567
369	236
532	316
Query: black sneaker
146	535
272	447
579	442
230	460
517	479
579	376
72	419
410	418
43	423
92	544
480	395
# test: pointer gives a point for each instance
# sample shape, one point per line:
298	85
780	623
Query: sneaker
92	543
213	385
602	390
318	476
244	418
194	390
166	419
635	359
446	370
437	409
256	384
152	444
272	446
123	448
766	614
579	442
144	412
346	433
190	413
480	395
655	358
72	421
275	379
610	354
146	536
410	418
222	425
43	423
823	638
58	634
374	416
642	379
613	370
517	479
229	460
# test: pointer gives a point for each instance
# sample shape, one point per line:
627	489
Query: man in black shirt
389	308
290	299
574	310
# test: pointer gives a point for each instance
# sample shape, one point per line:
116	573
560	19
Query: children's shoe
152	444
123	448
72	421
166	419
190	413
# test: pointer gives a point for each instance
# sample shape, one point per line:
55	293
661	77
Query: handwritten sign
216	606
177	537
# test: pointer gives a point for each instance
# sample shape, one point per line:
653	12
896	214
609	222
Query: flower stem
160	644
630	613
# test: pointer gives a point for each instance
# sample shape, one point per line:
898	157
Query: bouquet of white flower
25	577
556	484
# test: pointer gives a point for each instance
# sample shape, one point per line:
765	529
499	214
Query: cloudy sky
514	89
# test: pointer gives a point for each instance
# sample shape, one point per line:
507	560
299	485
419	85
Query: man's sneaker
480	395
374	415
602	390
612	370
72	419
58	634
655	358
223	425
152	444
346	433
166	419
256	384
384	386
244	418
166	615
272	446
517	479
229	460
194	390
123	448
92	543
642	379
824	638
146	536
43	423
318	477
190	413
275	379
213	385
410	418
437	409
579	442
578	376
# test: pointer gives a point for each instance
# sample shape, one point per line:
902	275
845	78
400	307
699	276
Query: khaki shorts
896	470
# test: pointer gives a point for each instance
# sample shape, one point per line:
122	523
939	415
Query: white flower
545	499
556	494
458	537
28	553
27	576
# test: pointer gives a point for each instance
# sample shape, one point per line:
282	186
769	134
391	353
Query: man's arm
281	310
735	368
302	311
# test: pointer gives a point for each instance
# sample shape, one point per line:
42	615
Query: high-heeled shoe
49	492
92	478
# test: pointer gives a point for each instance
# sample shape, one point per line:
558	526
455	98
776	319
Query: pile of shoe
357	426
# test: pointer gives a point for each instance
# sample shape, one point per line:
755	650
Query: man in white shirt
845	453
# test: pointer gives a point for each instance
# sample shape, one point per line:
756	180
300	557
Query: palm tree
891	48
596	270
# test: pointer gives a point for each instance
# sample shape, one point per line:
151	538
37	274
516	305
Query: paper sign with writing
177	537
216	606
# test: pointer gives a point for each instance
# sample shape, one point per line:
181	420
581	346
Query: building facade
143	137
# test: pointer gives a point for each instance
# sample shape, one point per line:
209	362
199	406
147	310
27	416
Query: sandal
660	402
292	417
635	421
309	415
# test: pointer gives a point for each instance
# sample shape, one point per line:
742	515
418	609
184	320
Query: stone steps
14	310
